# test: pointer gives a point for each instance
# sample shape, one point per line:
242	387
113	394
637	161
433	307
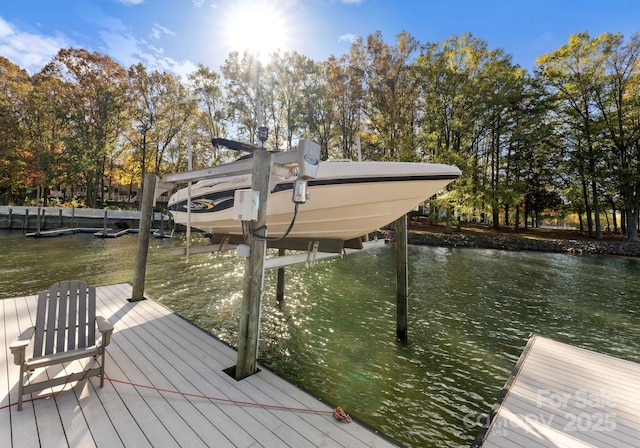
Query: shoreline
513	243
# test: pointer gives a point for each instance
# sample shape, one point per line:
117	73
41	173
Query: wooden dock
154	347
564	396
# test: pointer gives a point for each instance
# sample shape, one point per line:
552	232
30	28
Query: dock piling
402	280
104	224
142	247
280	285
249	329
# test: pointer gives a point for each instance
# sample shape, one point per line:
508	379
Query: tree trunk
495	216
596	210
632	226
587	206
632	217
581	221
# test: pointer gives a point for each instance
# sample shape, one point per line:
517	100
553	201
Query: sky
177	35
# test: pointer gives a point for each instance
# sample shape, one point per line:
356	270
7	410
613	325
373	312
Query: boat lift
250	206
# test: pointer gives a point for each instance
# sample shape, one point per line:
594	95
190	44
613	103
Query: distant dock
57	221
564	396
155	348
97	232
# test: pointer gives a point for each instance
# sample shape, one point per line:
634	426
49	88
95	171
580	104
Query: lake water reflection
471	312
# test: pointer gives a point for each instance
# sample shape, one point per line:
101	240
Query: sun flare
260	26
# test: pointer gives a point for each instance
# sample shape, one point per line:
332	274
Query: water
471	312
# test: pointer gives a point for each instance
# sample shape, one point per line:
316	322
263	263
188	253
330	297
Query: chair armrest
106	328
18	347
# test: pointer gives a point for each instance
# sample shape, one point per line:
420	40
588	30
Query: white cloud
158	31
120	44
131	2
349	37
5	29
115	39
29	51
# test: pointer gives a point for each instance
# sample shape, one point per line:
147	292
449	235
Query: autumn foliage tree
92	89
562	139
14	83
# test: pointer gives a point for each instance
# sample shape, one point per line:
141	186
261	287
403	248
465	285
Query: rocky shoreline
525	244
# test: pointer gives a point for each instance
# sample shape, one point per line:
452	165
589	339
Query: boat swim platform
560	395
156	348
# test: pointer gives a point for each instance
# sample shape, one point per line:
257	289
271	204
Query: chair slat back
65	318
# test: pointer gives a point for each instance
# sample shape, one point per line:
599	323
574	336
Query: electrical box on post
245	205
308	159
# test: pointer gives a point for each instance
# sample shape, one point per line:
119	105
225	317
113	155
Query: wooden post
73	215
402	280
249	329
142	247
280	285
104	225
25	222
161	225
59	218
10	218
38	219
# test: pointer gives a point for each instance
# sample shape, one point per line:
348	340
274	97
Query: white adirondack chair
65	330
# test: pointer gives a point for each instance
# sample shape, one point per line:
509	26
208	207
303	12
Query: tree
319	111
209	120
45	123
161	110
454	105
13	145
290	75
345	91
93	89
242	78
501	87
390	105
618	101
573	72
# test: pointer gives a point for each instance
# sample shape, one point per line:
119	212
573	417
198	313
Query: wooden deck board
159	362
565	396
153	346
5	417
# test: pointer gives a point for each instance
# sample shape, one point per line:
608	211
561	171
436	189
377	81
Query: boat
347	200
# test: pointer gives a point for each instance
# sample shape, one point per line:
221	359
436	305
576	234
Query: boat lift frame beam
283	164
312	256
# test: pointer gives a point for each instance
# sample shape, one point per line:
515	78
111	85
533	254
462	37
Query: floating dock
63	231
96	231
564	396
155	348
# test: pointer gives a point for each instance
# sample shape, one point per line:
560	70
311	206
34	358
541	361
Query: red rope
338	412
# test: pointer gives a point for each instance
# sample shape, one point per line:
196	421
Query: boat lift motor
308	161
